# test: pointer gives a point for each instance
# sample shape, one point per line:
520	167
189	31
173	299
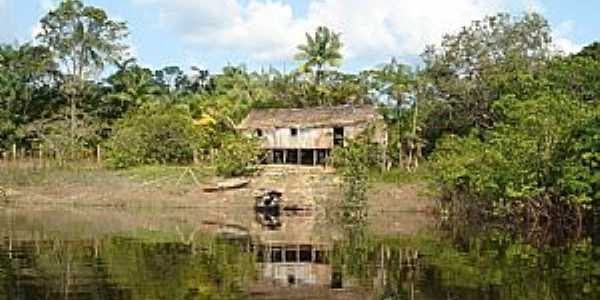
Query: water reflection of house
306	136
293	254
295	261
295	264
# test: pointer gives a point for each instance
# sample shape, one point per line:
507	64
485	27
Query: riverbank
182	187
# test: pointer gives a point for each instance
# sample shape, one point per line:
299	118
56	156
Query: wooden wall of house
306	138
314	138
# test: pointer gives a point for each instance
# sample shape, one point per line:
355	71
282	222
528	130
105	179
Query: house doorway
292	156
338	136
278	157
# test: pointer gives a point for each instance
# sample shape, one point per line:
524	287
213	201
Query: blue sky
263	33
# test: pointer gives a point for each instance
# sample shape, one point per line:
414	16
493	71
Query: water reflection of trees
119	268
187	263
494	264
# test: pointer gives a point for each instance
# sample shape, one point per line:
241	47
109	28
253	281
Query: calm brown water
85	253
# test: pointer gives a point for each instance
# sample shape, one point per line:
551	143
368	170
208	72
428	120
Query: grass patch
25	174
400	176
28	174
152	236
169	175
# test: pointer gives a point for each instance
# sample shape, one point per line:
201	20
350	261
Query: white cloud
567	46
36	30
263	29
396	27
269	29
560	38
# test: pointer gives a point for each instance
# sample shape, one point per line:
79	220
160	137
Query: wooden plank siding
312	138
307	136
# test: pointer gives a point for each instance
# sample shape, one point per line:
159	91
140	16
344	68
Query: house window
294	131
338	136
259	133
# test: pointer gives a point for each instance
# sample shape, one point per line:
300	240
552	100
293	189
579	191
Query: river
109	253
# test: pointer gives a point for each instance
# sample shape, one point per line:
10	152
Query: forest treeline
507	122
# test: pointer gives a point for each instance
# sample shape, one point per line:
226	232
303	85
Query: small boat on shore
268	200
235	183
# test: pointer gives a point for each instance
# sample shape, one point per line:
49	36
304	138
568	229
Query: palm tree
319	51
133	86
398	83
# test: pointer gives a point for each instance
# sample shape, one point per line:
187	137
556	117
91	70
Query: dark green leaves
319	51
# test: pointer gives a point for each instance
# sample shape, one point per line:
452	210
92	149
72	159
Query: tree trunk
400	154
596	228
409	164
72	118
318	75
414	140
318	84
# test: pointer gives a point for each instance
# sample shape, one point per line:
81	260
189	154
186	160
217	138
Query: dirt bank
183	188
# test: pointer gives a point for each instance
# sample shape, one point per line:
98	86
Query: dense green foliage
352	163
26	95
154	134
82	40
237	156
478	66
525	161
511	124
525	145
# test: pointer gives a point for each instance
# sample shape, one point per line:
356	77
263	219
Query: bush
155	134
538	162
579	172
237	155
352	164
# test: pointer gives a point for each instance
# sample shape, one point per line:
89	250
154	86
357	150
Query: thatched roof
310	117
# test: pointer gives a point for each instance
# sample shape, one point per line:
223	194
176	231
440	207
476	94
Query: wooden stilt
283	253
99	155
315	157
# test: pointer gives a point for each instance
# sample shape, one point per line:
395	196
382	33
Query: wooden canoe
235	183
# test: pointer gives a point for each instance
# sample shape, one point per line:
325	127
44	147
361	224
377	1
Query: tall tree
321	50
489	59
396	82
131	87
84	40
591	51
26	74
